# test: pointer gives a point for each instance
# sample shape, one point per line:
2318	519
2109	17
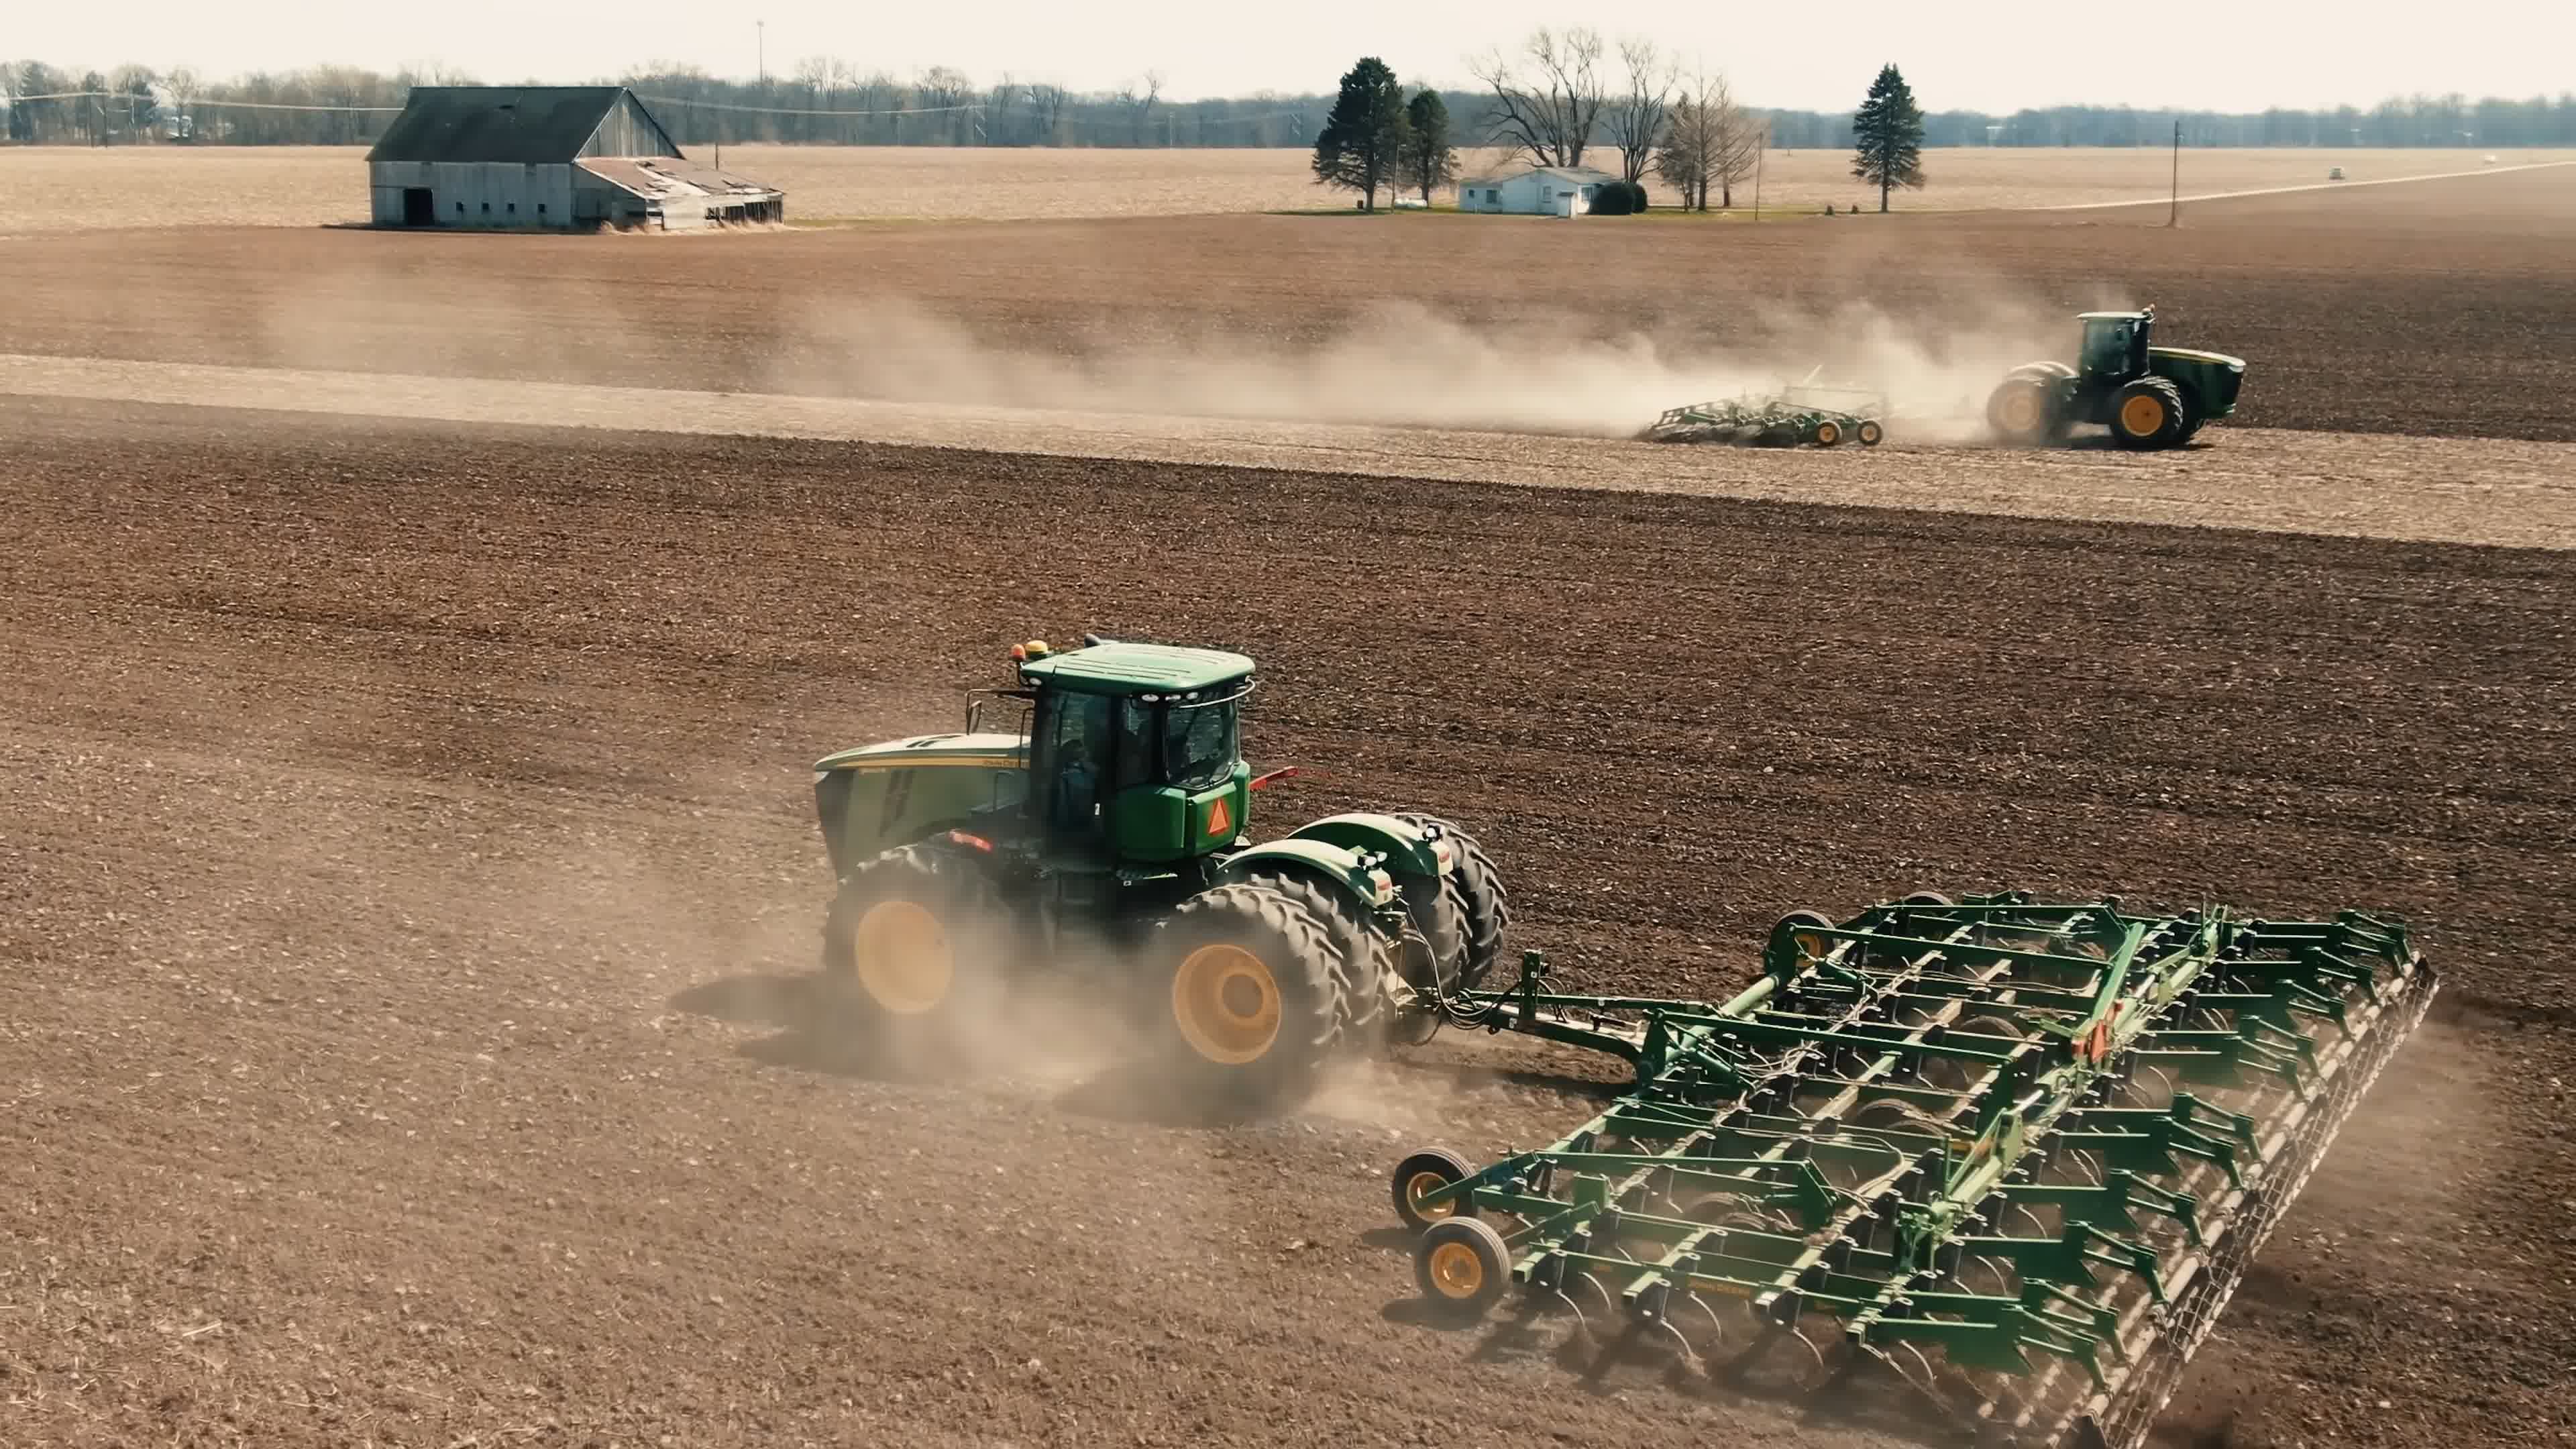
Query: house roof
1582	174
523	124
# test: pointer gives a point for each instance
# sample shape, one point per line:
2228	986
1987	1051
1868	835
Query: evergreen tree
1429	160
1363	140
1888	128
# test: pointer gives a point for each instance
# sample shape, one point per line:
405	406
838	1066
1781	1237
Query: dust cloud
1399	364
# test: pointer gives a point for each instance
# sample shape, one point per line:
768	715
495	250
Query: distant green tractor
2151	397
1115	815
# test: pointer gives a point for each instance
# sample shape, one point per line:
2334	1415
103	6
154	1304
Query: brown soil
2430	308
409	870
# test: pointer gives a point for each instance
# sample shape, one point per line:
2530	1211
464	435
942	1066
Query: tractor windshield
1173	743
1198	744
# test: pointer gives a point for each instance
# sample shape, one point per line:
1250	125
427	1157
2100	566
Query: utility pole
760	50
2173	217
1759	146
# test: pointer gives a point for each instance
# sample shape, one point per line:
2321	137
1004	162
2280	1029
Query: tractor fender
2042	372
1408	848
1334	867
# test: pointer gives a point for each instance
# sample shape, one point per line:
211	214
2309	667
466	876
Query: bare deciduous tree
1548	99
1636	116
1709	142
1046	111
1141	97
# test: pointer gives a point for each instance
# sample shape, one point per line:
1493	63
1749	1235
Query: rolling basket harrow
2016	1154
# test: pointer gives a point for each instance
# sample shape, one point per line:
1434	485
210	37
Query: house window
514	208
487	208
460	208
541	208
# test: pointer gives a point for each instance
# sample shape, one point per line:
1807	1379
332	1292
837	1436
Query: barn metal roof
522	124
670	176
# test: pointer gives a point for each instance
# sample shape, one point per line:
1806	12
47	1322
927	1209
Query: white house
1538	191
548	157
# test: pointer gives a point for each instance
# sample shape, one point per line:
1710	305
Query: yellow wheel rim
1811	947
1869	432
2142	415
1421	1183
1828	434
1226	1003
1456	1270
903	957
2021	411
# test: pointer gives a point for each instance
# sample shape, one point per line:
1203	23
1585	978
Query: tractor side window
1199	746
1077	740
1136	734
2110	349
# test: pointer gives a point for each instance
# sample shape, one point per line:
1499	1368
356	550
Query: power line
197	102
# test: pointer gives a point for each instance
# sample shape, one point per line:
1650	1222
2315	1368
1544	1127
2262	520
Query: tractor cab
1135	749
2115	346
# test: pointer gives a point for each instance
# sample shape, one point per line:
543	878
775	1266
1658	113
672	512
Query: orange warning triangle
1220	819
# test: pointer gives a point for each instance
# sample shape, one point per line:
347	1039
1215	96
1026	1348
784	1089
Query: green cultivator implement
1808	413
2015	1153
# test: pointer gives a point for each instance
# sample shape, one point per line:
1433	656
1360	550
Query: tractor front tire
1255	1009
1359	953
2149	413
2023	411
1484	908
914	946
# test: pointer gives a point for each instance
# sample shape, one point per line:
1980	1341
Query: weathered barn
548	156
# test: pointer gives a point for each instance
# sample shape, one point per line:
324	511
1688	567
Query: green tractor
2151	397
1115	815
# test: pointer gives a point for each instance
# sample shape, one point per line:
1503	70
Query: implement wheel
1427	1172
1255	1003
1828	433
1870	433
1462	1266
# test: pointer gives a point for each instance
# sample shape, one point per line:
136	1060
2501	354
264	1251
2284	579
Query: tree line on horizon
826	101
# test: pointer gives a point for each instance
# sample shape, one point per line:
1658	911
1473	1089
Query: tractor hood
2193	354
999	750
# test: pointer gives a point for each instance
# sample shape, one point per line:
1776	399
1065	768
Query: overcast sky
1969	54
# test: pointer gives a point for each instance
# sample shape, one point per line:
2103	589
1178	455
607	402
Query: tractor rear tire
2023	412
914	946
1483	904
1359	953
2149	413
1255	1007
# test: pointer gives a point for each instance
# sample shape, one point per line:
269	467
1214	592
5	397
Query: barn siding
476	194
629	130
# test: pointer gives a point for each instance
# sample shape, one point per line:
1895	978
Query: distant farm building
1539	191
548	157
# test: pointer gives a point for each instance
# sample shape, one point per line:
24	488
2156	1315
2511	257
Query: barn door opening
418	210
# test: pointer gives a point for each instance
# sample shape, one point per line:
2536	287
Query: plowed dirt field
407	881
408	874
